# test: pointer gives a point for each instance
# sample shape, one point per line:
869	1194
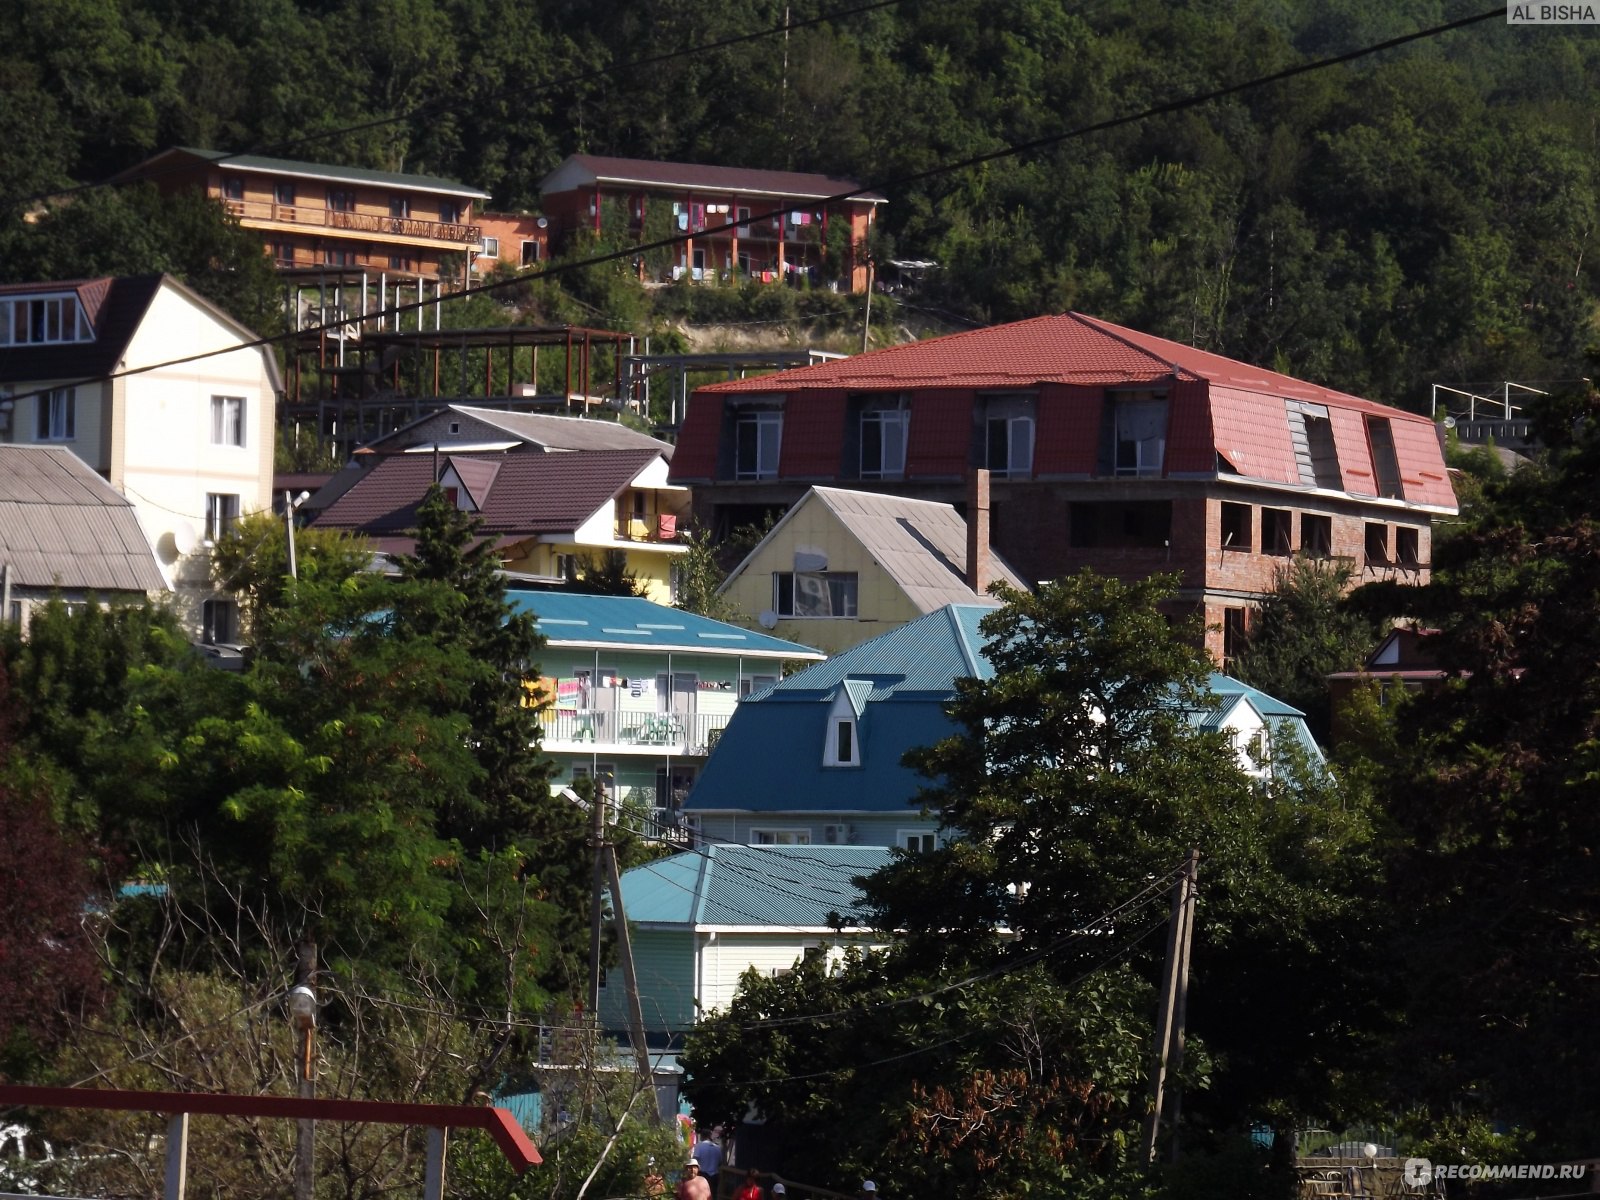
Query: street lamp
303	1017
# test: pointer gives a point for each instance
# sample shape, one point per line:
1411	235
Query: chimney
978	574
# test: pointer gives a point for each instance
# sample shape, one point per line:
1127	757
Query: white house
160	392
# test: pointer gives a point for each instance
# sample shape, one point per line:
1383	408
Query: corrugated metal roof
531	493
61	525
797	886
920	543
571	618
337	174
540	429
921	657
748	181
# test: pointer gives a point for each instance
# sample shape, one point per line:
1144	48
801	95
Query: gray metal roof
539	429
920	543
61	525
310	170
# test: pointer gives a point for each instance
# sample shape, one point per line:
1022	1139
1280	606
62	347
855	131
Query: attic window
1385	463
843	749
1311	434
42	320
455	426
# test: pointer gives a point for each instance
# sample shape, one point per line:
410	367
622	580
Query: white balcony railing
673	733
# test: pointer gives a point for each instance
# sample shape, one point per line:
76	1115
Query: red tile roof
746	181
526	494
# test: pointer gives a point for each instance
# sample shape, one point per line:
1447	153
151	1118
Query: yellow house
547	512
844	566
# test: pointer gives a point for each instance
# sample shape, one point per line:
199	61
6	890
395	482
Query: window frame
1124	407
1234	518
928	838
220	432
883	419
210	609
43	320
56	407
284	194
848	597
766	425
341	199
489	247
780	835
222	514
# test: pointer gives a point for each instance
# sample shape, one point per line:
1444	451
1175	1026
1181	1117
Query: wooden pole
1172	989
630	981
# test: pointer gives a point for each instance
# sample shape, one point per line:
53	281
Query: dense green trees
1419	216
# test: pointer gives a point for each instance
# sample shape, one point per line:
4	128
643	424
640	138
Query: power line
633	251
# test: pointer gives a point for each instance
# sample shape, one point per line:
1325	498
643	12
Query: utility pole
866	318
288	529
597	890
630	981
303	1013
1174	998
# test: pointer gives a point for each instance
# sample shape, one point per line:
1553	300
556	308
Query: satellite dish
543	222
1449	422
185	538
768	619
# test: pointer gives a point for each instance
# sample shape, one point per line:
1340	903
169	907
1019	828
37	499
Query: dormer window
42	321
843	749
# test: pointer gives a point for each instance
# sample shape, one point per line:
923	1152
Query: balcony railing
672	733
355	222
662	528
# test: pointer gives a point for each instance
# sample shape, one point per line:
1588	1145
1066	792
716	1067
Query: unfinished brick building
1107	448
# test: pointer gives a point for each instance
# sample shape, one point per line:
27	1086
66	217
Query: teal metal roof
924	656
797	886
571	619
289	166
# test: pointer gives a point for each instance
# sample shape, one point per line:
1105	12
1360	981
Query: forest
1415	216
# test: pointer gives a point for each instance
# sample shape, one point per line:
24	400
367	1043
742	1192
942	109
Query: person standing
693	1185
709	1155
751	1189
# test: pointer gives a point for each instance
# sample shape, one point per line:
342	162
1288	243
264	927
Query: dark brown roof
525	494
61	525
740	180
114	307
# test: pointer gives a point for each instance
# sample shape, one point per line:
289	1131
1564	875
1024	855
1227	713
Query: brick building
767	225
1107	448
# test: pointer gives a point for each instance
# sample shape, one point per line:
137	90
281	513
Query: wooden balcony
265	214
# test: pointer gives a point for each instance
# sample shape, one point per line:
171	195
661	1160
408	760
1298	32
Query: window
338	258
1237	530
341	200
814	595
1380	437
1316	535
283	253
57	416
917	841
491	248
399	207
744	222
1131	524
1377	543
227	420
883	443
283	192
844	744
402	262
1311	434
32	321
530	253
1407	546
1277	532
232	187
1140	433
780	837
219	621
757	439
754	683
449	212
1233	634
222	511
1007	435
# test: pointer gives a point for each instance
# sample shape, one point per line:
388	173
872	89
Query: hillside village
903	751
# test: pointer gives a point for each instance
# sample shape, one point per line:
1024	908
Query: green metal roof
289	166
796	886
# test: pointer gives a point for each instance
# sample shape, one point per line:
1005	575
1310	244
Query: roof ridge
1107	329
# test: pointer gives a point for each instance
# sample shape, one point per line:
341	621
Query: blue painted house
702	918
815	759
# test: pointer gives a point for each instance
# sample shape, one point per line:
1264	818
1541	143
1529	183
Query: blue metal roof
769	759
804	886
572	619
